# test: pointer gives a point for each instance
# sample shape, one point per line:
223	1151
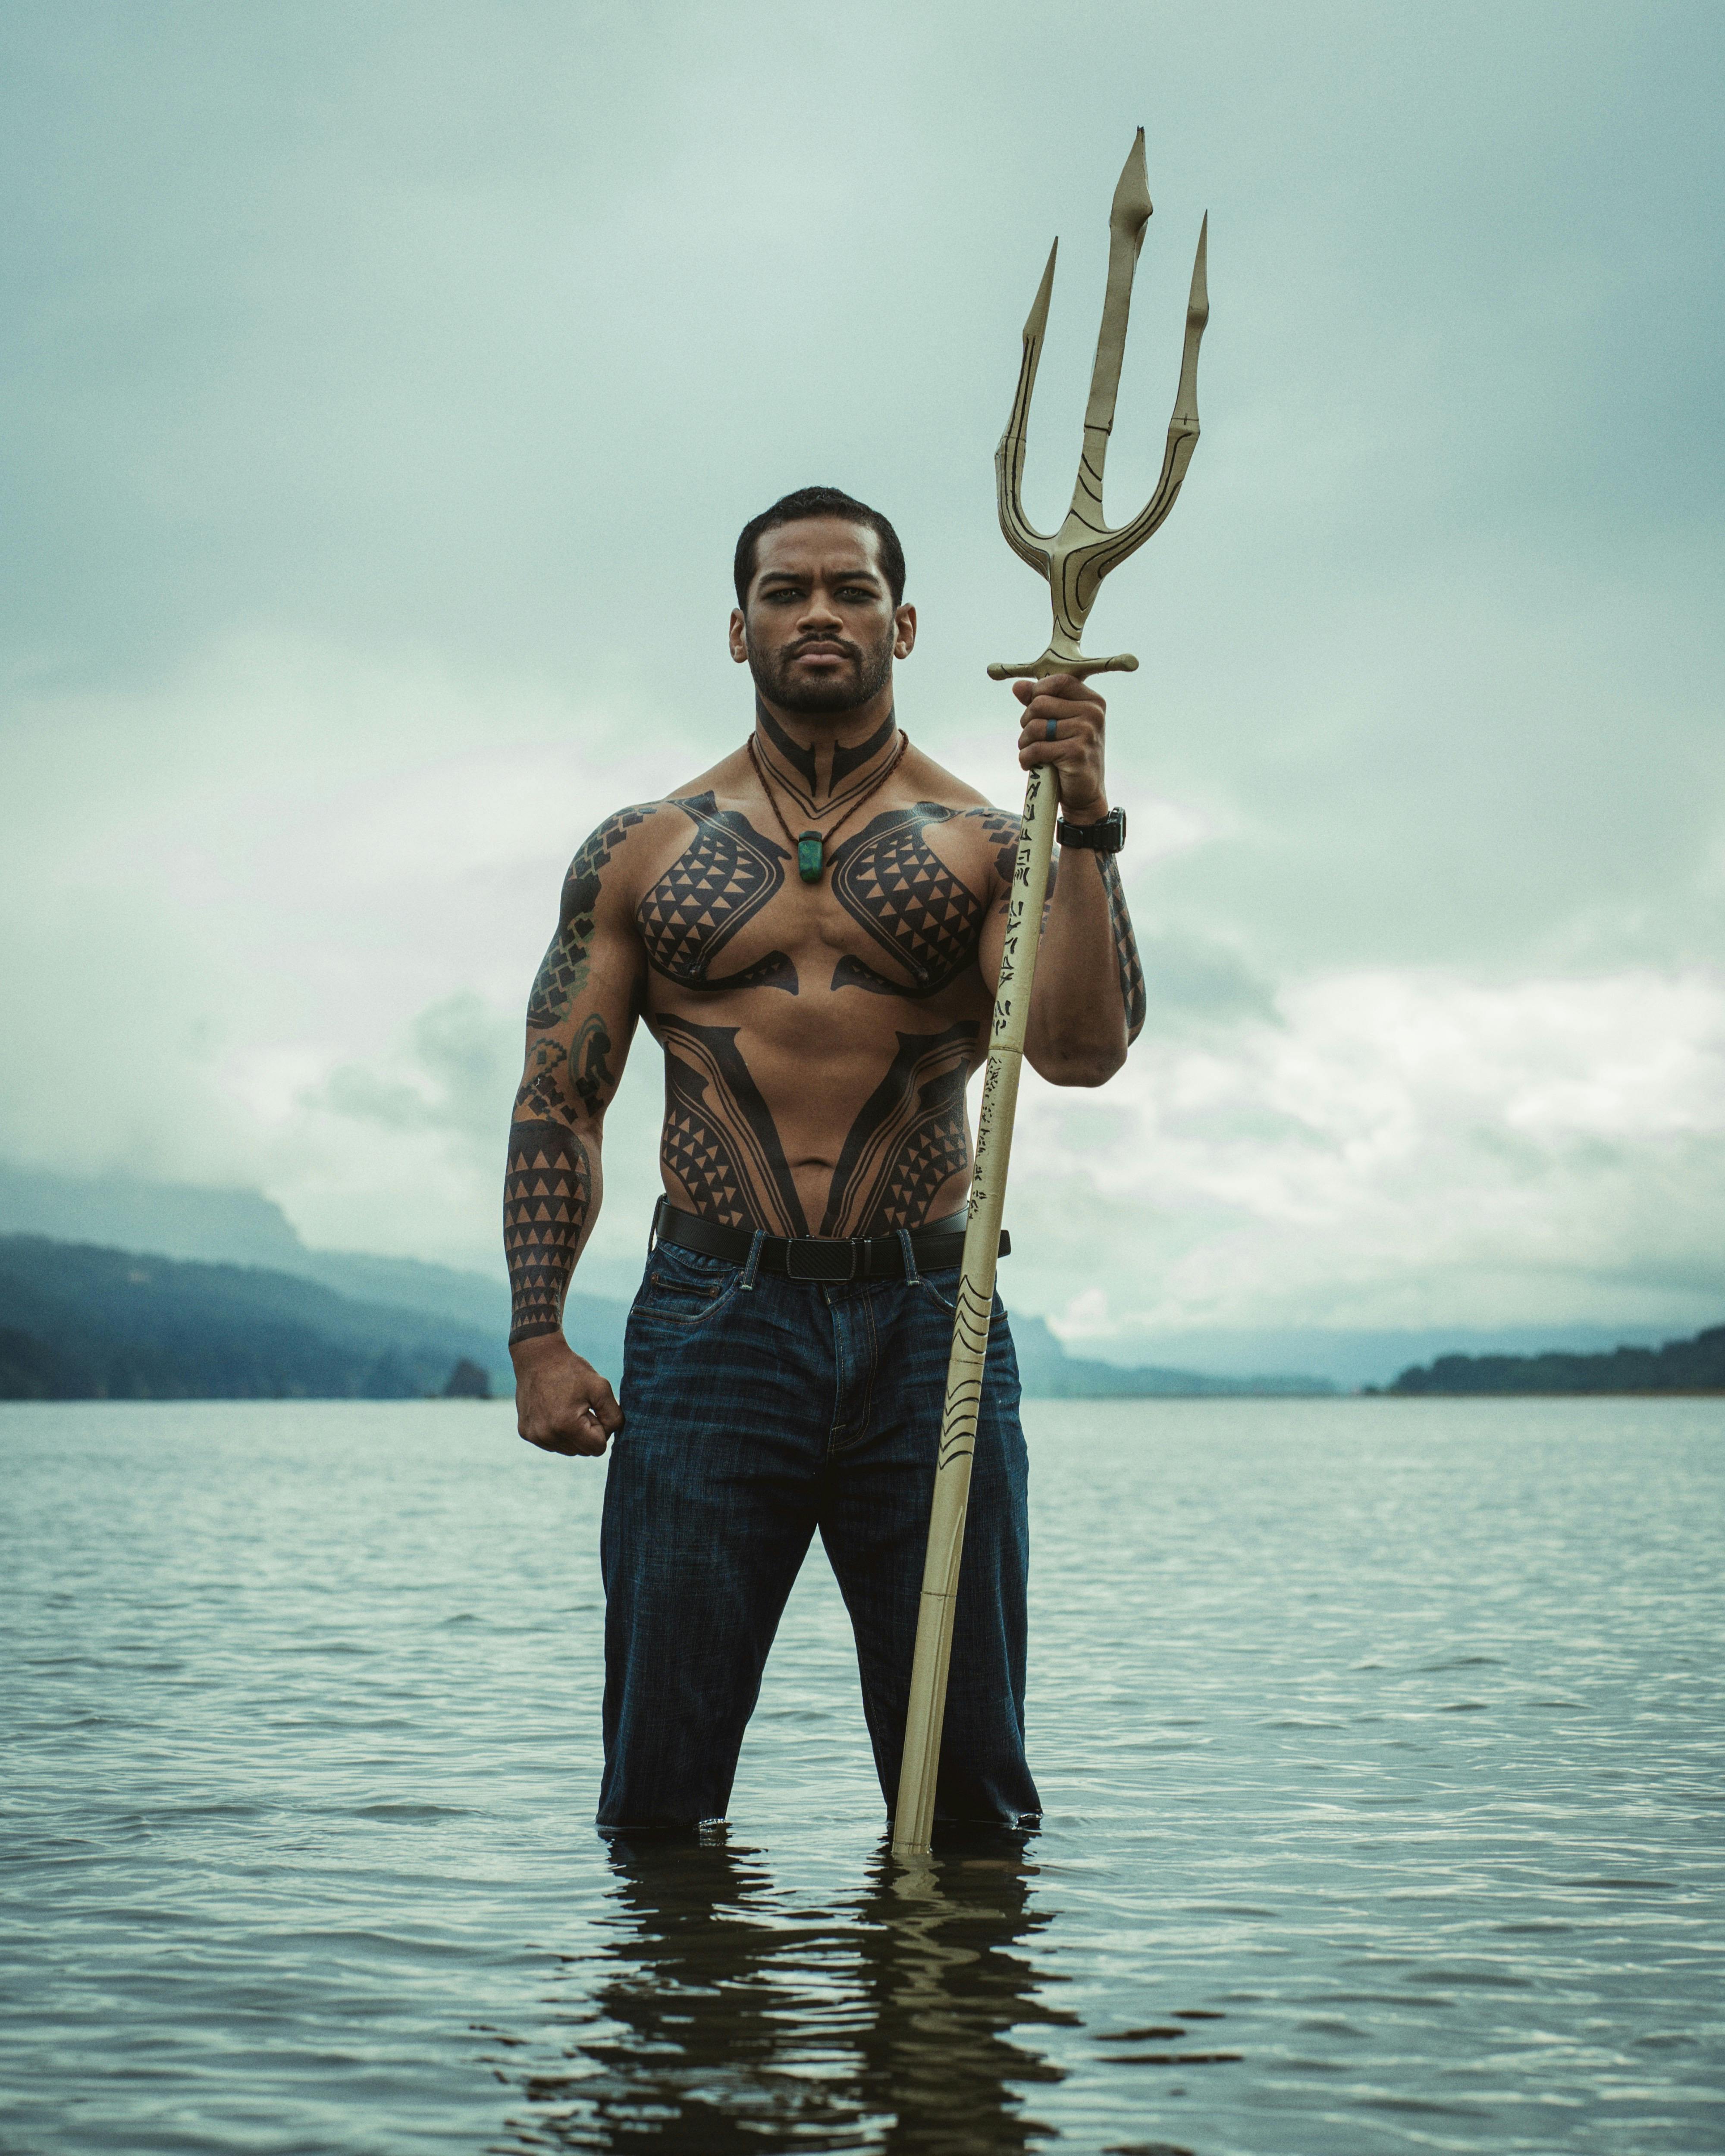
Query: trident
1074	562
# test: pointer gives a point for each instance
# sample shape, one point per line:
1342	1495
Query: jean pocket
685	1288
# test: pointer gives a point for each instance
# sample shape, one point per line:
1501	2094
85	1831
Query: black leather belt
818	1257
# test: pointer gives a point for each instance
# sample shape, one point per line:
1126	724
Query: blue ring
1054	728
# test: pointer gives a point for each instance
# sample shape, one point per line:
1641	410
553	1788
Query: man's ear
739	642
904	631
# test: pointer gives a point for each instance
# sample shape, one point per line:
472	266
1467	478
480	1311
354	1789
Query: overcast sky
383	389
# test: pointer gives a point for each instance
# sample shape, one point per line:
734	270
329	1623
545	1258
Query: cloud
1401	1149
387	389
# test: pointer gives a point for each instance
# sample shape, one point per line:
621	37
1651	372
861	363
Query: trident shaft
1074	562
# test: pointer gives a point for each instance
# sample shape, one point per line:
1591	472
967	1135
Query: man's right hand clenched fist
562	1404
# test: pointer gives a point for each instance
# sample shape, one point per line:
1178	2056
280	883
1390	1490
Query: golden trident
1074	562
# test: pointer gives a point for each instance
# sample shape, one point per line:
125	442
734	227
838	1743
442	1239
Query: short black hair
819	501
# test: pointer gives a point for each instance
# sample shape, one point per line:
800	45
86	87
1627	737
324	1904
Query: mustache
827	643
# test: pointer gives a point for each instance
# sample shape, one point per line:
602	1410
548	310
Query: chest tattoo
909	1139
896	888
716	885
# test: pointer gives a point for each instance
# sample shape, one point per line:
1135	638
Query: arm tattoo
720	1140
556	1079
562	973
593	1081
715	887
1126	947
910	1138
1002	832
547	1195
544	1091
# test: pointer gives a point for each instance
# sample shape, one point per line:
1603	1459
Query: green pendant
810	855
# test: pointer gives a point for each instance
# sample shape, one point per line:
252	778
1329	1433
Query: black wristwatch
1106	835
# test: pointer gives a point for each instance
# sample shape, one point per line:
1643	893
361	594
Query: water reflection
720	2013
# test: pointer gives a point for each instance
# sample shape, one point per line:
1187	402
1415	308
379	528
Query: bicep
581	1012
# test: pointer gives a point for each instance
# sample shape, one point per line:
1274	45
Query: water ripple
1380	1741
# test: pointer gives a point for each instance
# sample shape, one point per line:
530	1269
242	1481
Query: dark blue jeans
754	1415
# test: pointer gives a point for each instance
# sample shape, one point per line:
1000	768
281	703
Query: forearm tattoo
562	972
547	1196
1126	947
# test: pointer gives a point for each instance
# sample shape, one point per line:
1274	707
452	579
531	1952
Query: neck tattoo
811	845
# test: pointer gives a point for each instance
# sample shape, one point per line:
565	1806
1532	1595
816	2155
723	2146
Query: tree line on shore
1680	1366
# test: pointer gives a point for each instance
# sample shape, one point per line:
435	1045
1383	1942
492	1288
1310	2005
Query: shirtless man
812	931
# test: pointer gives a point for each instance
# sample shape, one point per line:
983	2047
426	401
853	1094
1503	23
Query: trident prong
1077	557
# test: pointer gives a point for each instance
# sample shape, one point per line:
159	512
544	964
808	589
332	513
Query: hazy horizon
386	390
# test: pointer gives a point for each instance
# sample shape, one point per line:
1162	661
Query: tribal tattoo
588	1059
799	770
715	887
1126	947
547	1195
1002	832
720	1140
800	760
545	1090
562	973
847	760
910	1139
899	891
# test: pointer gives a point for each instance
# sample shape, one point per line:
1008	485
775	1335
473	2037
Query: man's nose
818	608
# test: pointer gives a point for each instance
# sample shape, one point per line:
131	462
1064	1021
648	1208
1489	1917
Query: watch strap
1106	835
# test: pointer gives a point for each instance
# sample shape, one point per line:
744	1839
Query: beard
869	667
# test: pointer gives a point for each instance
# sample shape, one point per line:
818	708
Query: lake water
1381	1742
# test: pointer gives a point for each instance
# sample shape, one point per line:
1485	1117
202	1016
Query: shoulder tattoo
562	972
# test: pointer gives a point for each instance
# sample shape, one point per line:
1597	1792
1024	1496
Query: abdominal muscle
831	1113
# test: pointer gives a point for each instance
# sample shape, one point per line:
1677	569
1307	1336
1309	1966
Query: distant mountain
244	1227
78	1322
1047	1372
227	1230
1680	1366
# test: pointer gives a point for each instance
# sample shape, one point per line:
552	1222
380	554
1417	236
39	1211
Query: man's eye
856	592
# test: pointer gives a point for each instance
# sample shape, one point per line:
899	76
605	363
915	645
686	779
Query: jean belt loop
749	1270
912	1277
653	1228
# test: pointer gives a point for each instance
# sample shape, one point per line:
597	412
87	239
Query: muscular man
812	931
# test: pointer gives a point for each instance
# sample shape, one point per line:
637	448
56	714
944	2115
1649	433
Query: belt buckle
829	1258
